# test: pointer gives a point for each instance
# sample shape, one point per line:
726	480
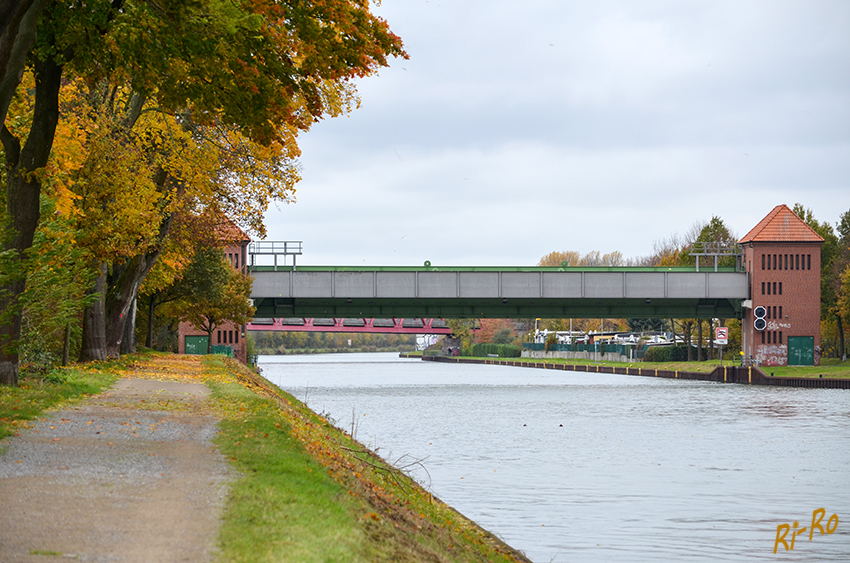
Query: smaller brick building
193	341
781	325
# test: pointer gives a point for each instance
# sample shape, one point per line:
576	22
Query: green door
801	350
197	344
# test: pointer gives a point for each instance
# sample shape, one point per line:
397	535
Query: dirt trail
127	476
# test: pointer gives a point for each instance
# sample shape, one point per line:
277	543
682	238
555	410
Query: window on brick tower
762	262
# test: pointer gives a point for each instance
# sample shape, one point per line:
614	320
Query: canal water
600	467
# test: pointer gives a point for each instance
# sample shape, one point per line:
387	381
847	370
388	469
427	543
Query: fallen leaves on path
170	368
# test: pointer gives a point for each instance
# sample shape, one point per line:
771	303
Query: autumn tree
716	233
261	67
497	331
55	294
840	282
572	258
216	293
646	324
463	329
678	250
833	262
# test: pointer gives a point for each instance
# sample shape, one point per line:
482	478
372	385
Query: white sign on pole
721	335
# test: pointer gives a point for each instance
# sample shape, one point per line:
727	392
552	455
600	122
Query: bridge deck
483	292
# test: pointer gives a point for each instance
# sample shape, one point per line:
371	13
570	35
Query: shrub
501	350
676	353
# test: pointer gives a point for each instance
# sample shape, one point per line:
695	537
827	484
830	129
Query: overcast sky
519	128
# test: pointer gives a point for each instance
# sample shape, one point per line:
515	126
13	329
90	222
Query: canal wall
724	374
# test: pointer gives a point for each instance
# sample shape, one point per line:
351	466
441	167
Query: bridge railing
273	249
717	250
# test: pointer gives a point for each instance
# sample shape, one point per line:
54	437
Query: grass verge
309	493
37	393
829	368
306	491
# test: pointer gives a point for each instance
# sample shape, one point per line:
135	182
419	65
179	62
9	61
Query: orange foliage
489	328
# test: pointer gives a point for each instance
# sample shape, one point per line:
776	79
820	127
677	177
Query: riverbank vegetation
311	493
280	342
39	392
306	490
830	367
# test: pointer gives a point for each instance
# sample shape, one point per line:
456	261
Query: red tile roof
782	225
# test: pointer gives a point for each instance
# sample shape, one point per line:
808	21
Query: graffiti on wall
772	354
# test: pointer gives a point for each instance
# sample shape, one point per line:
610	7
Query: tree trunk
840	337
124	288
66	346
23	190
93	346
128	344
151	311
18	21
699	340
10	331
710	339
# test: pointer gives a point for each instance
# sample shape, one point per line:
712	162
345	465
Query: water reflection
587	467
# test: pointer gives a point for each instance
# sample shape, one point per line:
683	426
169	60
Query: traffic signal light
759	323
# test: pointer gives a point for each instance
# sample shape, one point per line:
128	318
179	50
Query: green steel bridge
497	292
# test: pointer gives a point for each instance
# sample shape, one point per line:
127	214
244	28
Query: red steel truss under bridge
394	326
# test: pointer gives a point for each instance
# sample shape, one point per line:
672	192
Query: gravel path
127	476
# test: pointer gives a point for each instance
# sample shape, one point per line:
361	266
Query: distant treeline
272	342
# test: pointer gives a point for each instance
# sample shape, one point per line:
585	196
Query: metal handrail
275	248
711	248
285	247
716	250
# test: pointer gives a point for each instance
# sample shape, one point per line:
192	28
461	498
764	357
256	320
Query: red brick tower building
781	325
